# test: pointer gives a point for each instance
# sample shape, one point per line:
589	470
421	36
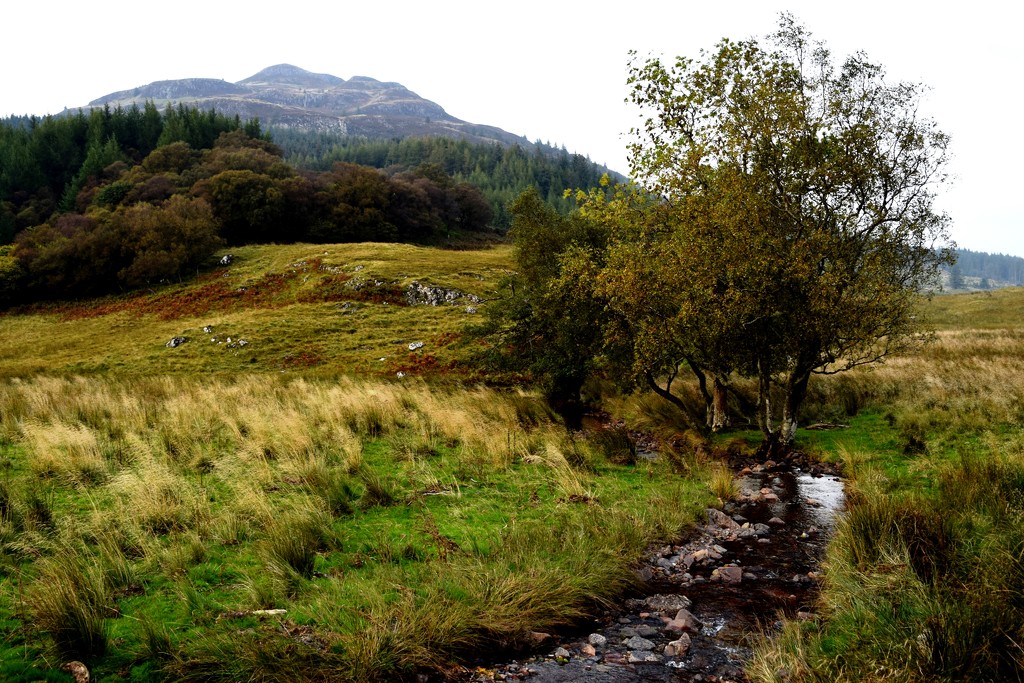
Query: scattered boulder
417	293
175	342
597	640
227	259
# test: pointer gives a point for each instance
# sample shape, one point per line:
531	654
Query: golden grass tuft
722	483
68	451
69	600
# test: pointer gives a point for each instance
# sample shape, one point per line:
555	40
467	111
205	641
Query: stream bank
705	599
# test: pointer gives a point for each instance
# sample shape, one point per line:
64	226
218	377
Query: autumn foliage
104	216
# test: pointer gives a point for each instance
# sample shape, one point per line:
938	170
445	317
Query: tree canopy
805	191
111	200
781	223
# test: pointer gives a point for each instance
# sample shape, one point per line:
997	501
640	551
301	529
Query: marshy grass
70	602
401	525
923	579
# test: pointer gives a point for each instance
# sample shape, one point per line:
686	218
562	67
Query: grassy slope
932	435
152	497
292	304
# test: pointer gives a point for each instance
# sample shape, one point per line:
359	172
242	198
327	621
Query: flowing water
737	575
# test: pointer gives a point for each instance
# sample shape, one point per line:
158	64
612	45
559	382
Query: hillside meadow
333	308
161	505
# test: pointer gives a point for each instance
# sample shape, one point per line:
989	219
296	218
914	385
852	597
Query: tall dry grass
154	473
70	425
923	578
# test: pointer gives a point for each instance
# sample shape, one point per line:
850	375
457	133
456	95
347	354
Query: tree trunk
715	400
666	393
564	397
702	383
719	409
764	406
796	391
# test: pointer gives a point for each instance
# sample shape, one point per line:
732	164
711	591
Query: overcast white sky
553	71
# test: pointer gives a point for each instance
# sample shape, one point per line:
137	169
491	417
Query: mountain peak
285	96
288	74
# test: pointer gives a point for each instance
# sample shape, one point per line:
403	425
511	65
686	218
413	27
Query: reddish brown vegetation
301	359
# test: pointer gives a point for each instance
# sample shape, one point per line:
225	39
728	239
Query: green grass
401	526
152	498
924	580
987	310
293	305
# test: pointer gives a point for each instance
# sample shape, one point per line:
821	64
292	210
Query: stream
704	599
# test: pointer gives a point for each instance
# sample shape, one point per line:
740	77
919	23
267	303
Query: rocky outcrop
417	293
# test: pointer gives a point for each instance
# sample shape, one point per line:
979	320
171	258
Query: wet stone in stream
708	596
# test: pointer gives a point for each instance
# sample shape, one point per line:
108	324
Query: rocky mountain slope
287	96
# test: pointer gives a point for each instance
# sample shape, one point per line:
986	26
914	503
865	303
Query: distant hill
285	96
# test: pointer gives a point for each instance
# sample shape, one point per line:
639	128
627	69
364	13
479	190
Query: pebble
679	647
684	622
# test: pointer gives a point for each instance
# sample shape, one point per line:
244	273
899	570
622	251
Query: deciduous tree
795	199
545	322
